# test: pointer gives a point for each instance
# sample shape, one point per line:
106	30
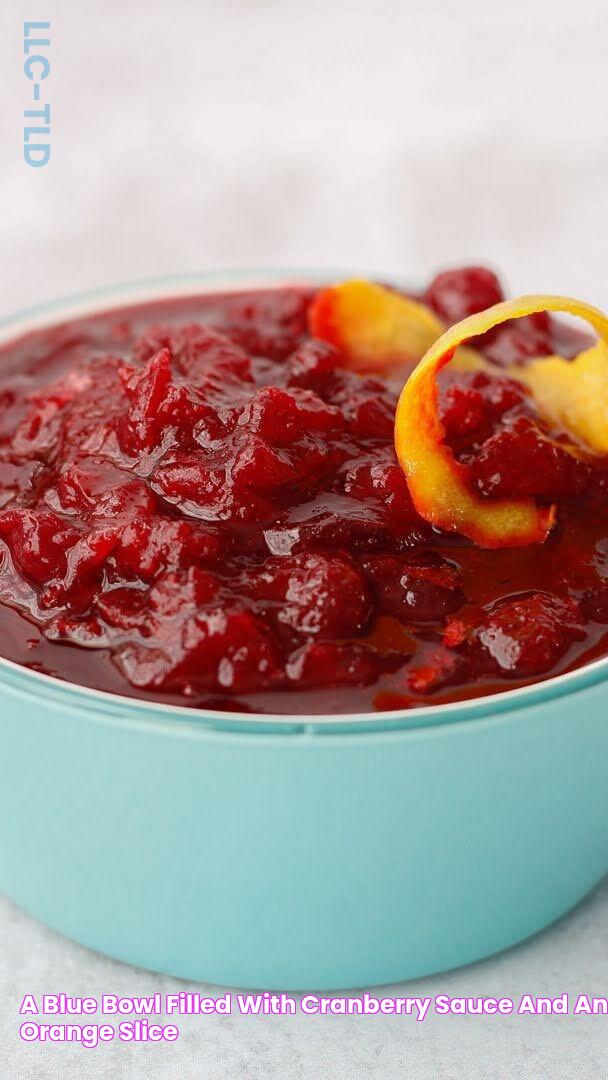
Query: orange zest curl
372	326
438	483
378	329
572	394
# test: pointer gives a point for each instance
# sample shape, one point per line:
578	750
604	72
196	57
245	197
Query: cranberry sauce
200	504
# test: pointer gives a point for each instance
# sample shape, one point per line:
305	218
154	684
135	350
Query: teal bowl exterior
301	852
291	858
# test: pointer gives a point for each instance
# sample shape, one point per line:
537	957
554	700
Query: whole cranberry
454	294
423	588
523	461
519	636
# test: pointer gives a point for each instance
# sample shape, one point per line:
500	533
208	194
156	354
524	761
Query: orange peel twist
379	329
438	483
373	326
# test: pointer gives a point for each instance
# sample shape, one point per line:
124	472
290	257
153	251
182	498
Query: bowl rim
99	301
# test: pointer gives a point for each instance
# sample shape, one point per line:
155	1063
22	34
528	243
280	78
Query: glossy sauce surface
199	504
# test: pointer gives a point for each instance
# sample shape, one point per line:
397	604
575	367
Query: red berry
520	636
315	594
522	461
454	294
418	588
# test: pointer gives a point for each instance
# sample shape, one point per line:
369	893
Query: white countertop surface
571	957
390	136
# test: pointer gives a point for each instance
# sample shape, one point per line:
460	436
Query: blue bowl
293	852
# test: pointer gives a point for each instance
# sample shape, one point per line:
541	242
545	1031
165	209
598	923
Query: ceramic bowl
294	852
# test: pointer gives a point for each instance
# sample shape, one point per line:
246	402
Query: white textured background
393	136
